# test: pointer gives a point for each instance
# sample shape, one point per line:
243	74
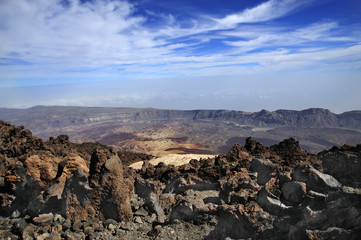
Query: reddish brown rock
44	219
43	167
106	196
254	192
167	201
115	191
77	202
256	148
290	153
237	152
238	187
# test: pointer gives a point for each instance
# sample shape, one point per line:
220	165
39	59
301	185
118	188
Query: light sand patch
173	159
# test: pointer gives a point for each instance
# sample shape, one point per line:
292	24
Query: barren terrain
57	189
173	159
161	132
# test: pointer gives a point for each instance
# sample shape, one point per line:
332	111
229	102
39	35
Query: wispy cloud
303	37
266	11
103	39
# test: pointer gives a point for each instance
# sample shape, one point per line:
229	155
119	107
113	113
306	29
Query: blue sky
230	54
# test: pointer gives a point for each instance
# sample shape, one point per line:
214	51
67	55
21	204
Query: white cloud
106	39
266	11
83	34
281	37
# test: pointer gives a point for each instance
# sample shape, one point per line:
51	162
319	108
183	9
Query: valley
160	132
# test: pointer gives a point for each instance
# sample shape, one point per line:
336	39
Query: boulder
264	168
272	204
314	179
51	171
106	194
334	216
333	233
149	191
77	197
112	192
241	221
344	164
167	201
294	191
44	219
179	184
256	148
238	187
290	151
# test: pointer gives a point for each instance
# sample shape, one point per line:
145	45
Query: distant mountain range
316	128
62	116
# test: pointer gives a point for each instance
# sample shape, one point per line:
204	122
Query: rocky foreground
56	189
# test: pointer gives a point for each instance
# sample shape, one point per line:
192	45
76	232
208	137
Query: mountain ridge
162	131
74	115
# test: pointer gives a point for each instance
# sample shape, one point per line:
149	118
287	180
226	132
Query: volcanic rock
343	163
44	219
241	221
264	168
150	192
290	151
58	189
256	148
39	176
294	191
315	180
237	152
76	197
112	191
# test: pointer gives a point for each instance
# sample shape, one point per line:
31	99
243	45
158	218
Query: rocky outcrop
344	163
57	189
101	194
237	152
81	181
256	192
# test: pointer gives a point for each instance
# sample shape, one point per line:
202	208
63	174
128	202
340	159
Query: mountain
61	116
159	131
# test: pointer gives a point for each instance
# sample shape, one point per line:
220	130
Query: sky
243	55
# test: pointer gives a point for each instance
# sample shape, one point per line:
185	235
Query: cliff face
57	116
57	189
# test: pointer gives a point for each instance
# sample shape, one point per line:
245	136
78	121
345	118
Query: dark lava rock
343	163
253	192
294	191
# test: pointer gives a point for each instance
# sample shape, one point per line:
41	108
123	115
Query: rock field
56	189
